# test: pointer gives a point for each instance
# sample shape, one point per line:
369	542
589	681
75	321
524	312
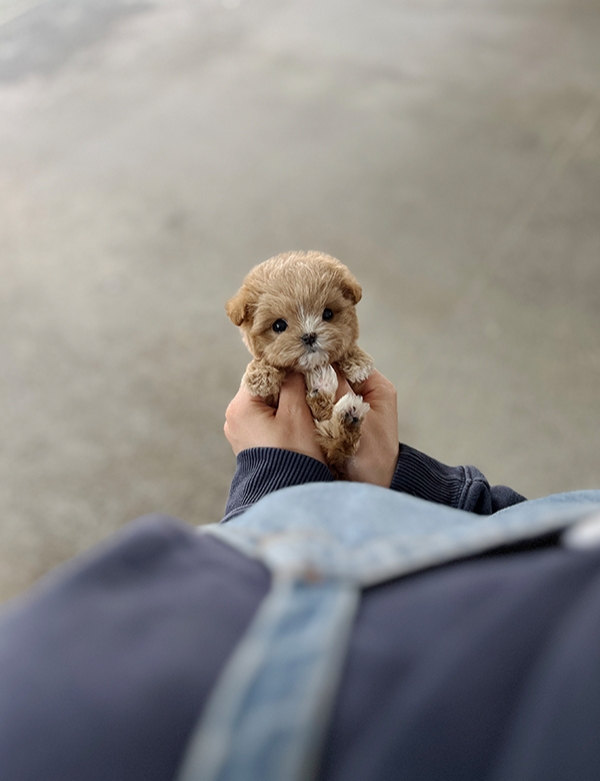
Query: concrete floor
151	152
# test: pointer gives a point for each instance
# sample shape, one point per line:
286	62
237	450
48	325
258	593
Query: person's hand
249	422
377	455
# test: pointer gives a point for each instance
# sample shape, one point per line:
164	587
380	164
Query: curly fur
299	288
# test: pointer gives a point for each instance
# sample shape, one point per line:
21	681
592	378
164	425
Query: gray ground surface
152	152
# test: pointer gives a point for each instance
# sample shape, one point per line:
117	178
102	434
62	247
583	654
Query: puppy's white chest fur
323	379
312	361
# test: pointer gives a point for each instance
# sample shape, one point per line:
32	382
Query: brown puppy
297	313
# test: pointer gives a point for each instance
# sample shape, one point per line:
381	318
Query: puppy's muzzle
309	339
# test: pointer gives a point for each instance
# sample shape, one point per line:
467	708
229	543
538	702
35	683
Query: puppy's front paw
322	380
263	380
356	366
339	437
321	385
350	410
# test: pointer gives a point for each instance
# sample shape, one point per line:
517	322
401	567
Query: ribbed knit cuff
420	475
262	470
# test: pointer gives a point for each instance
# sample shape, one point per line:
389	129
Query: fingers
244	410
250	422
293	384
236	402
292	397
376	458
242	401
377	388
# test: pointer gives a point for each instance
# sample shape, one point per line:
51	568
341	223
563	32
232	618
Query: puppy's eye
327	314
279	325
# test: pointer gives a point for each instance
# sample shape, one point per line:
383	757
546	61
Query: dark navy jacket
483	670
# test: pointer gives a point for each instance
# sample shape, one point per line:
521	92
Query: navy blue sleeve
462	487
262	470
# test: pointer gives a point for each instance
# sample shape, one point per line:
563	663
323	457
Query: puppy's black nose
309	339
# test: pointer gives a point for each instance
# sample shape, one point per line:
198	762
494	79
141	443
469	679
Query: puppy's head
296	310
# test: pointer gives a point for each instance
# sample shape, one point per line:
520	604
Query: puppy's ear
238	308
350	288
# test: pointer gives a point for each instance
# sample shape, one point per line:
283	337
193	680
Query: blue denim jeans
325	542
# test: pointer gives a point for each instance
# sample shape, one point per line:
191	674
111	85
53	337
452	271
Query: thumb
292	396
